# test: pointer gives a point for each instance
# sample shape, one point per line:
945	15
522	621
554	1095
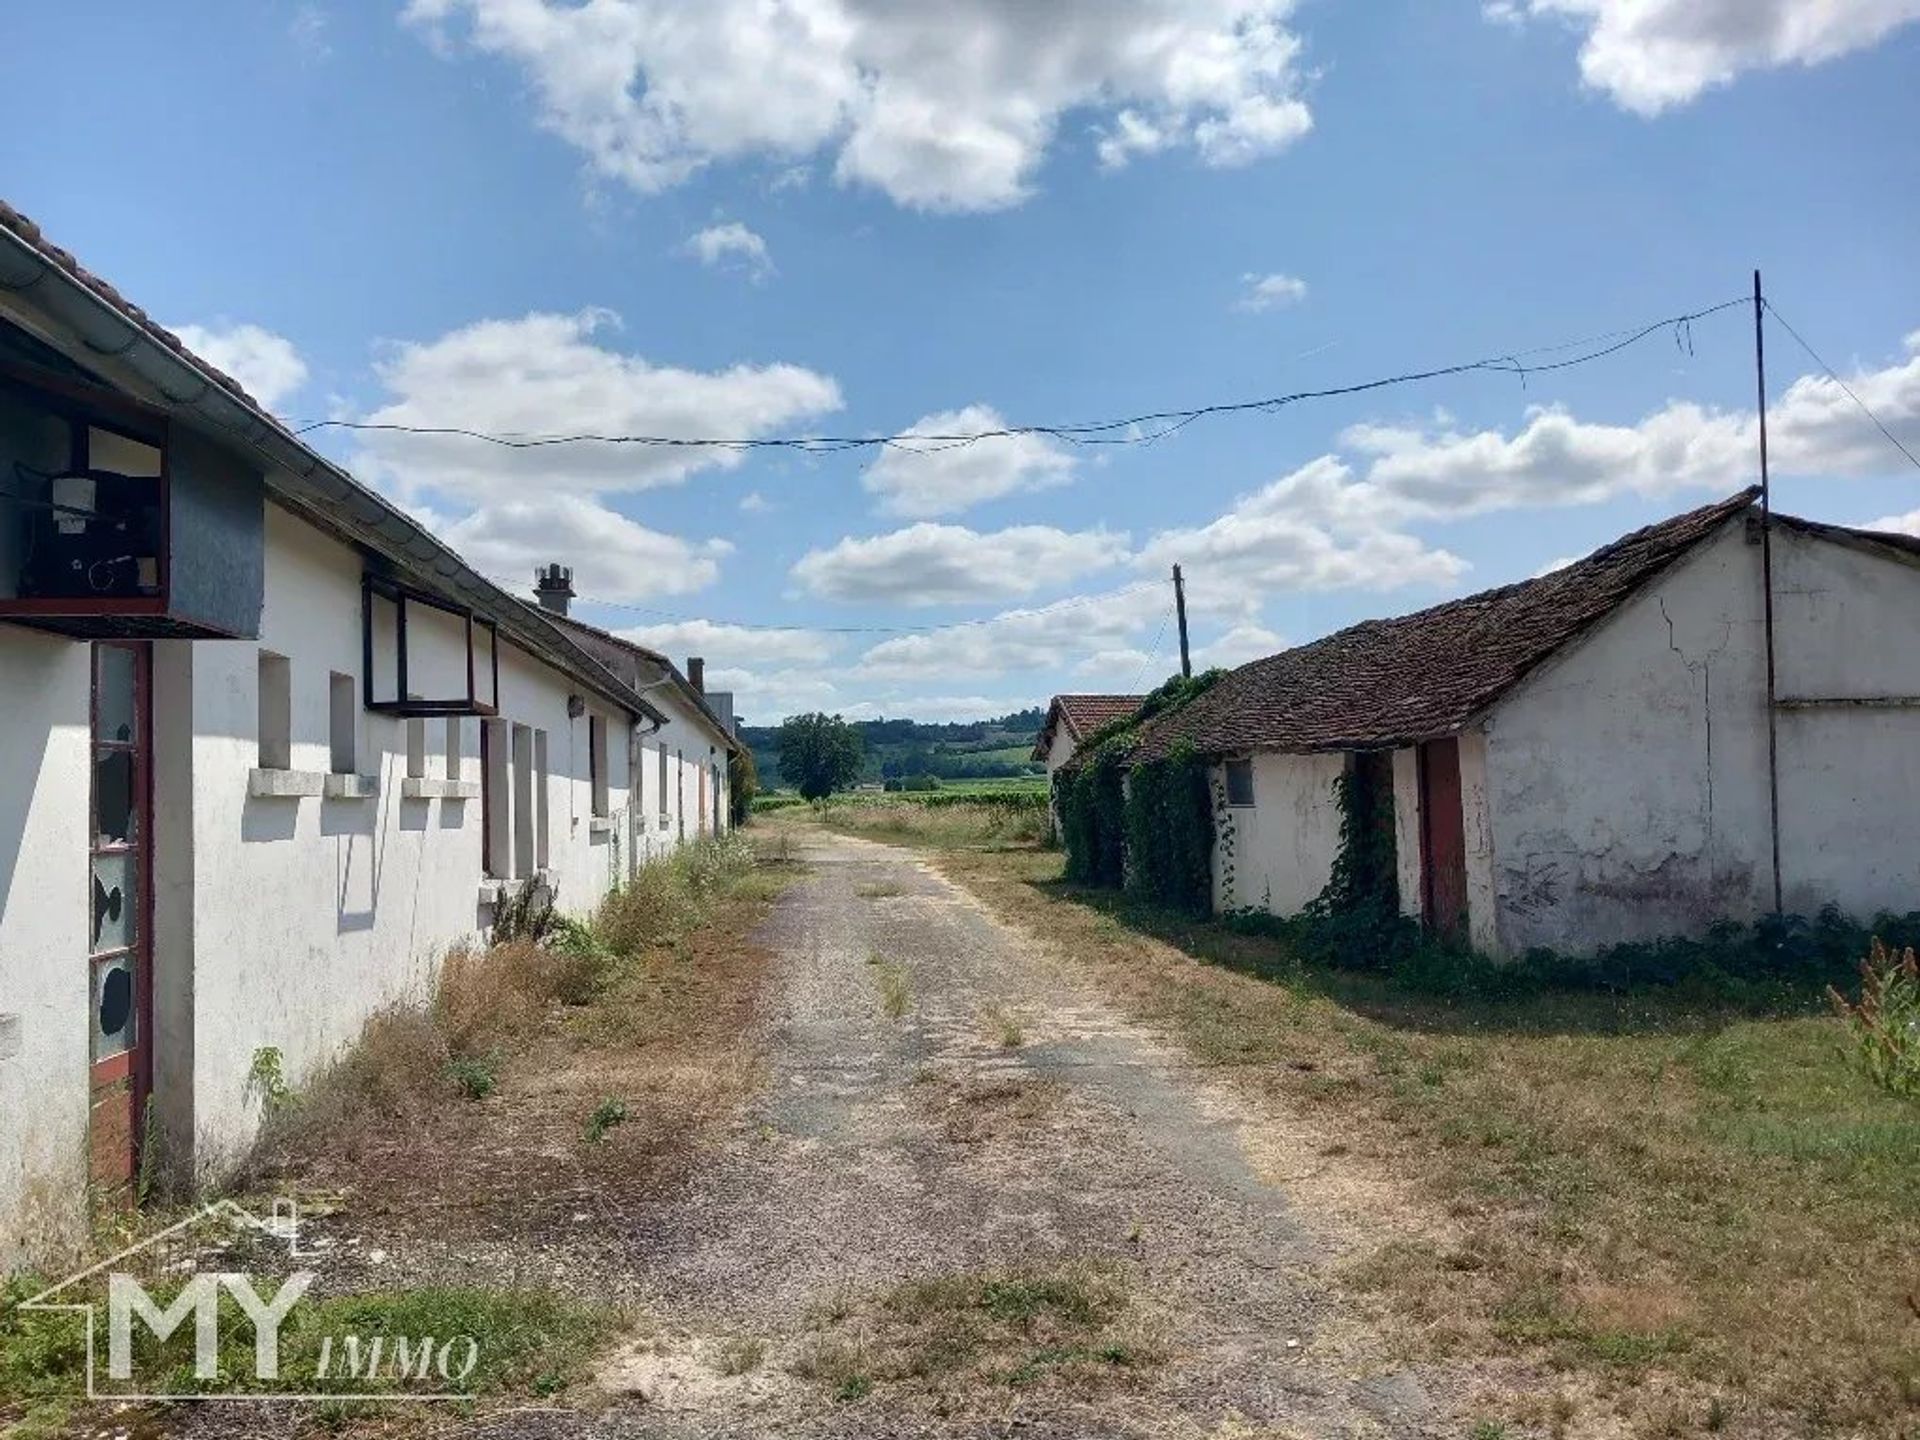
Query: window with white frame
496	837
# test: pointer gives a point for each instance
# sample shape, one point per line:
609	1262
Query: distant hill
996	749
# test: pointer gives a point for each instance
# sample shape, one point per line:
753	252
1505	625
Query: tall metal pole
1180	606
1766	585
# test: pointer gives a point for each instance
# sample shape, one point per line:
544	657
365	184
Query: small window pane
1239	782
114	819
115	1015
114	693
115	902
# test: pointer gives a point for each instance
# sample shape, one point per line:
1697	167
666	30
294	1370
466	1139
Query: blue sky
774	217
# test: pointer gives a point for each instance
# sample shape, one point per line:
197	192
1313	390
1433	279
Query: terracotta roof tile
1389	682
1083	714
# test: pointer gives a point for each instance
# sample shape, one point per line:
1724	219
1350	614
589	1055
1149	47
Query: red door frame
1443	839
134	1066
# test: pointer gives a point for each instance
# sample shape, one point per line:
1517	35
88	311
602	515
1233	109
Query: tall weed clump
668	898
1883	1026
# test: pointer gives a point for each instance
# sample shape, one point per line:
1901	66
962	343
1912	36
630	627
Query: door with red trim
1443	840
120	912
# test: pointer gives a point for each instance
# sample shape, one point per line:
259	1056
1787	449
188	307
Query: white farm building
275	750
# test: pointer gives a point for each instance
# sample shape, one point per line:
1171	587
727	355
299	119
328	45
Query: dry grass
896	986
972	1112
1687	1212
981	1336
656	1020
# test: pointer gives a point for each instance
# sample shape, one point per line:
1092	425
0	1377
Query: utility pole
1180	607
1766	585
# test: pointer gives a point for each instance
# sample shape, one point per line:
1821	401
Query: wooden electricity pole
1766	586
1180	608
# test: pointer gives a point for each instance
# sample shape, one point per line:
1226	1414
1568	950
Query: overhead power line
1141	429
1846	389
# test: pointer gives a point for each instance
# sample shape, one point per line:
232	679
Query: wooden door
120	911
1443	841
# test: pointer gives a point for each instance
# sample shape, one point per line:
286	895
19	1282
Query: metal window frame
401	595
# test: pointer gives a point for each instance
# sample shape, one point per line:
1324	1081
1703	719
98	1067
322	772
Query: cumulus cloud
1650	55
1907	524
1270	292
551	374
768	697
731	246
613	557
943	479
737	645
948	107
1235	647
1300	533
929	564
1046	638
266	365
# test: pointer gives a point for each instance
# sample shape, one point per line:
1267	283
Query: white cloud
768	697
1649	55
736	645
754	503
266	365
613	558
1907	524
1047	638
1270	292
1299	534
1237	646
947	107
549	374
1814	429
930	564
308	31
944	478
731	246
1558	564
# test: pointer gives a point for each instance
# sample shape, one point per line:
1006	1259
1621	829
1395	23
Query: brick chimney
697	673
553	587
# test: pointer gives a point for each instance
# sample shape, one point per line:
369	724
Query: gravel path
889	1147
1005	1116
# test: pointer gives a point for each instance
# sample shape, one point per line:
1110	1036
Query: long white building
275	750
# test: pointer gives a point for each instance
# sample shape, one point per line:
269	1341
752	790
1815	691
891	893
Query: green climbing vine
1356	921
1149	826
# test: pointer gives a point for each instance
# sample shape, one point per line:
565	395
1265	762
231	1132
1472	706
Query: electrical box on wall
117	522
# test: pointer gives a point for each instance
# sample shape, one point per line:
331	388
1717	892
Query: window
680	788
597	762
456	747
1239	782
495	838
276	712
664	812
540	848
343	723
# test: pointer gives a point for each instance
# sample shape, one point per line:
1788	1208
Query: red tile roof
1390	682
1083	715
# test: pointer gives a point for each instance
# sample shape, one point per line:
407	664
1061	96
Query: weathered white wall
45	1006
1627	780
311	913
690	743
1284	844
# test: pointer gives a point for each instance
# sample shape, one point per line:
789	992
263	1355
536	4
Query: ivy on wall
1149	828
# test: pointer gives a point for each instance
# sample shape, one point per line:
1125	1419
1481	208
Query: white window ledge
493	890
352	787
599	825
285	784
418	787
